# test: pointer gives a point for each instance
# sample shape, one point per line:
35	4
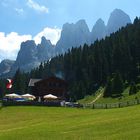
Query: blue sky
30	19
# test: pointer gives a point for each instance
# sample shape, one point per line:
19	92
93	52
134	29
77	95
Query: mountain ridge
76	34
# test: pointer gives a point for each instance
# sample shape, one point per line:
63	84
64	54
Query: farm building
51	85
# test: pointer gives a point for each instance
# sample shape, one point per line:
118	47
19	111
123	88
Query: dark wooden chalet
51	85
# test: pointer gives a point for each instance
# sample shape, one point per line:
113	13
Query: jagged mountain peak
98	30
81	22
73	35
118	19
67	25
119	14
5	66
29	44
45	42
100	21
7	61
45	50
117	11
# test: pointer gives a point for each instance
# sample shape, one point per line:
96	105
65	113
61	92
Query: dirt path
98	97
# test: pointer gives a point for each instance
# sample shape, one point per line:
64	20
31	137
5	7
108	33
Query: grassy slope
124	98
90	98
43	123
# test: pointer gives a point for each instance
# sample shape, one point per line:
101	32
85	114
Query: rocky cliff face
117	19
73	35
45	50
98	30
27	56
31	55
5	66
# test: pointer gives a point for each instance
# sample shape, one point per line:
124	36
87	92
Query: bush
138	87
133	89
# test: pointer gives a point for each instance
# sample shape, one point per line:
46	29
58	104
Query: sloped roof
33	81
52	78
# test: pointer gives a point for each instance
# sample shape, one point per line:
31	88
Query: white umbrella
13	95
28	96
50	96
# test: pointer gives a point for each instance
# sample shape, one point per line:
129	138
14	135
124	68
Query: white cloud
34	5
53	34
10	44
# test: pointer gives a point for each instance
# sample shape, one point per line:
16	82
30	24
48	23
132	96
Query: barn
50	85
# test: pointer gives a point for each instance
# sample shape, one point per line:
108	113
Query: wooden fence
32	103
112	105
91	106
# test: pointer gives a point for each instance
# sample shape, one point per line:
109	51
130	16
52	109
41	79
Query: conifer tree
108	88
117	85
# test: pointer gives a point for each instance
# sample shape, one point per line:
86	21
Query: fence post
119	105
93	107
137	101
106	106
127	103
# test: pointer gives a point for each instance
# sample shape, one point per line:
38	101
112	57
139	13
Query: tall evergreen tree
108	88
117	85
19	82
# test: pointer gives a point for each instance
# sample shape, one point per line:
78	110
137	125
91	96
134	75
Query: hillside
115	58
90	99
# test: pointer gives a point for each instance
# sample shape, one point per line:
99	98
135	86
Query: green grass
44	123
90	98
126	97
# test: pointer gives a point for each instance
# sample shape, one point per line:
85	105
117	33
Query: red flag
9	84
